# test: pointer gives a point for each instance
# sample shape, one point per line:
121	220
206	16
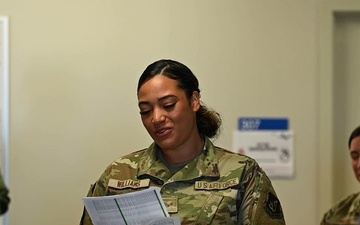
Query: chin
165	145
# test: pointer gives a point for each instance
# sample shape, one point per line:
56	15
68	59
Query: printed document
145	207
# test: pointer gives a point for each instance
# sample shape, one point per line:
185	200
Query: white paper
273	150
136	208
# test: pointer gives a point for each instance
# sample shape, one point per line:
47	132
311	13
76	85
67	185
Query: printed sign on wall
269	142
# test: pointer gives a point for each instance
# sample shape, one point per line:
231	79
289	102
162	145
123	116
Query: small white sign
273	150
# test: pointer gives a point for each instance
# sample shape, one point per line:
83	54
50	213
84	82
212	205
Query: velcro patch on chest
204	185
171	204
129	183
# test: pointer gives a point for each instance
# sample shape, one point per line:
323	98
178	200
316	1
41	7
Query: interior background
74	67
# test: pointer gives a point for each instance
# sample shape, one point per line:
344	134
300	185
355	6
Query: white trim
5	107
5	95
5	138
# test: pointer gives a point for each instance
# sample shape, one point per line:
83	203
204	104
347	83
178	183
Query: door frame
5	118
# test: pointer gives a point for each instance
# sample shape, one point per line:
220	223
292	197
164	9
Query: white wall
74	69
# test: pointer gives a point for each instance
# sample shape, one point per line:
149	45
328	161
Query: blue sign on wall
258	123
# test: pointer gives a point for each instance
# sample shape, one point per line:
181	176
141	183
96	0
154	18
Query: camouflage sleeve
4	196
97	189
325	218
344	211
329	214
257	201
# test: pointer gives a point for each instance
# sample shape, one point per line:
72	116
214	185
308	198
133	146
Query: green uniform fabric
4	196
346	211
217	187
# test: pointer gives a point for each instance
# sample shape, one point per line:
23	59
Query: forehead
158	86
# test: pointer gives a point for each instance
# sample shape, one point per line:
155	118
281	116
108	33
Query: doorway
346	103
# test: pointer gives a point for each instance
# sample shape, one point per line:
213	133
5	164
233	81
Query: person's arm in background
4	196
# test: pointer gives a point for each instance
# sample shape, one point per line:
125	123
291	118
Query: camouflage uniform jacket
217	187
4	196
346	211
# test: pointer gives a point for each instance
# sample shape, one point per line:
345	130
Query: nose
158	116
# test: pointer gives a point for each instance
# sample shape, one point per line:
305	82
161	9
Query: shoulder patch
272	206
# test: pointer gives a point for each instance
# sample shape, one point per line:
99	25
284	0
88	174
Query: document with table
145	207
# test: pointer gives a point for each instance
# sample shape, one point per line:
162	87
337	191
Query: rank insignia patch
272	206
171	204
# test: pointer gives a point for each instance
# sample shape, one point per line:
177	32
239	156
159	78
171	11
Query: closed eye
169	106
354	155
143	113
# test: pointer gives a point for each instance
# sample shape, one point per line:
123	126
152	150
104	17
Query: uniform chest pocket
203	208
114	191
209	209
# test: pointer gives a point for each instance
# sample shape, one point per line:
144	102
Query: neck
183	154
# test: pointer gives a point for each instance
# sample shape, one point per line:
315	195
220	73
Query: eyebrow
159	99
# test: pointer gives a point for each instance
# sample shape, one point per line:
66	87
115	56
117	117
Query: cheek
354	164
145	122
181	116
186	121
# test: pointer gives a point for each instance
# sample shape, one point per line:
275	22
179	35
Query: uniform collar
205	165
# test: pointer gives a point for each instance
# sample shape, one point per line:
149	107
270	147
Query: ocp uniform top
345	212
217	187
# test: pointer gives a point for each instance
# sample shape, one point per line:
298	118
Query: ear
195	101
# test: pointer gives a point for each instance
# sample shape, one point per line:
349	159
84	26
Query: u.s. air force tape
204	185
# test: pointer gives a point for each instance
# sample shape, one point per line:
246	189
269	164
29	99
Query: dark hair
208	121
354	134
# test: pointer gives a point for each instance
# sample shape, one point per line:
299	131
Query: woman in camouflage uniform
347	211
199	182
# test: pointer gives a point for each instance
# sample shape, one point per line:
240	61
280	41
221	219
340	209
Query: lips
162	132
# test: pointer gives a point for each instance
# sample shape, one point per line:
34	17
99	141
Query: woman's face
167	114
355	156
